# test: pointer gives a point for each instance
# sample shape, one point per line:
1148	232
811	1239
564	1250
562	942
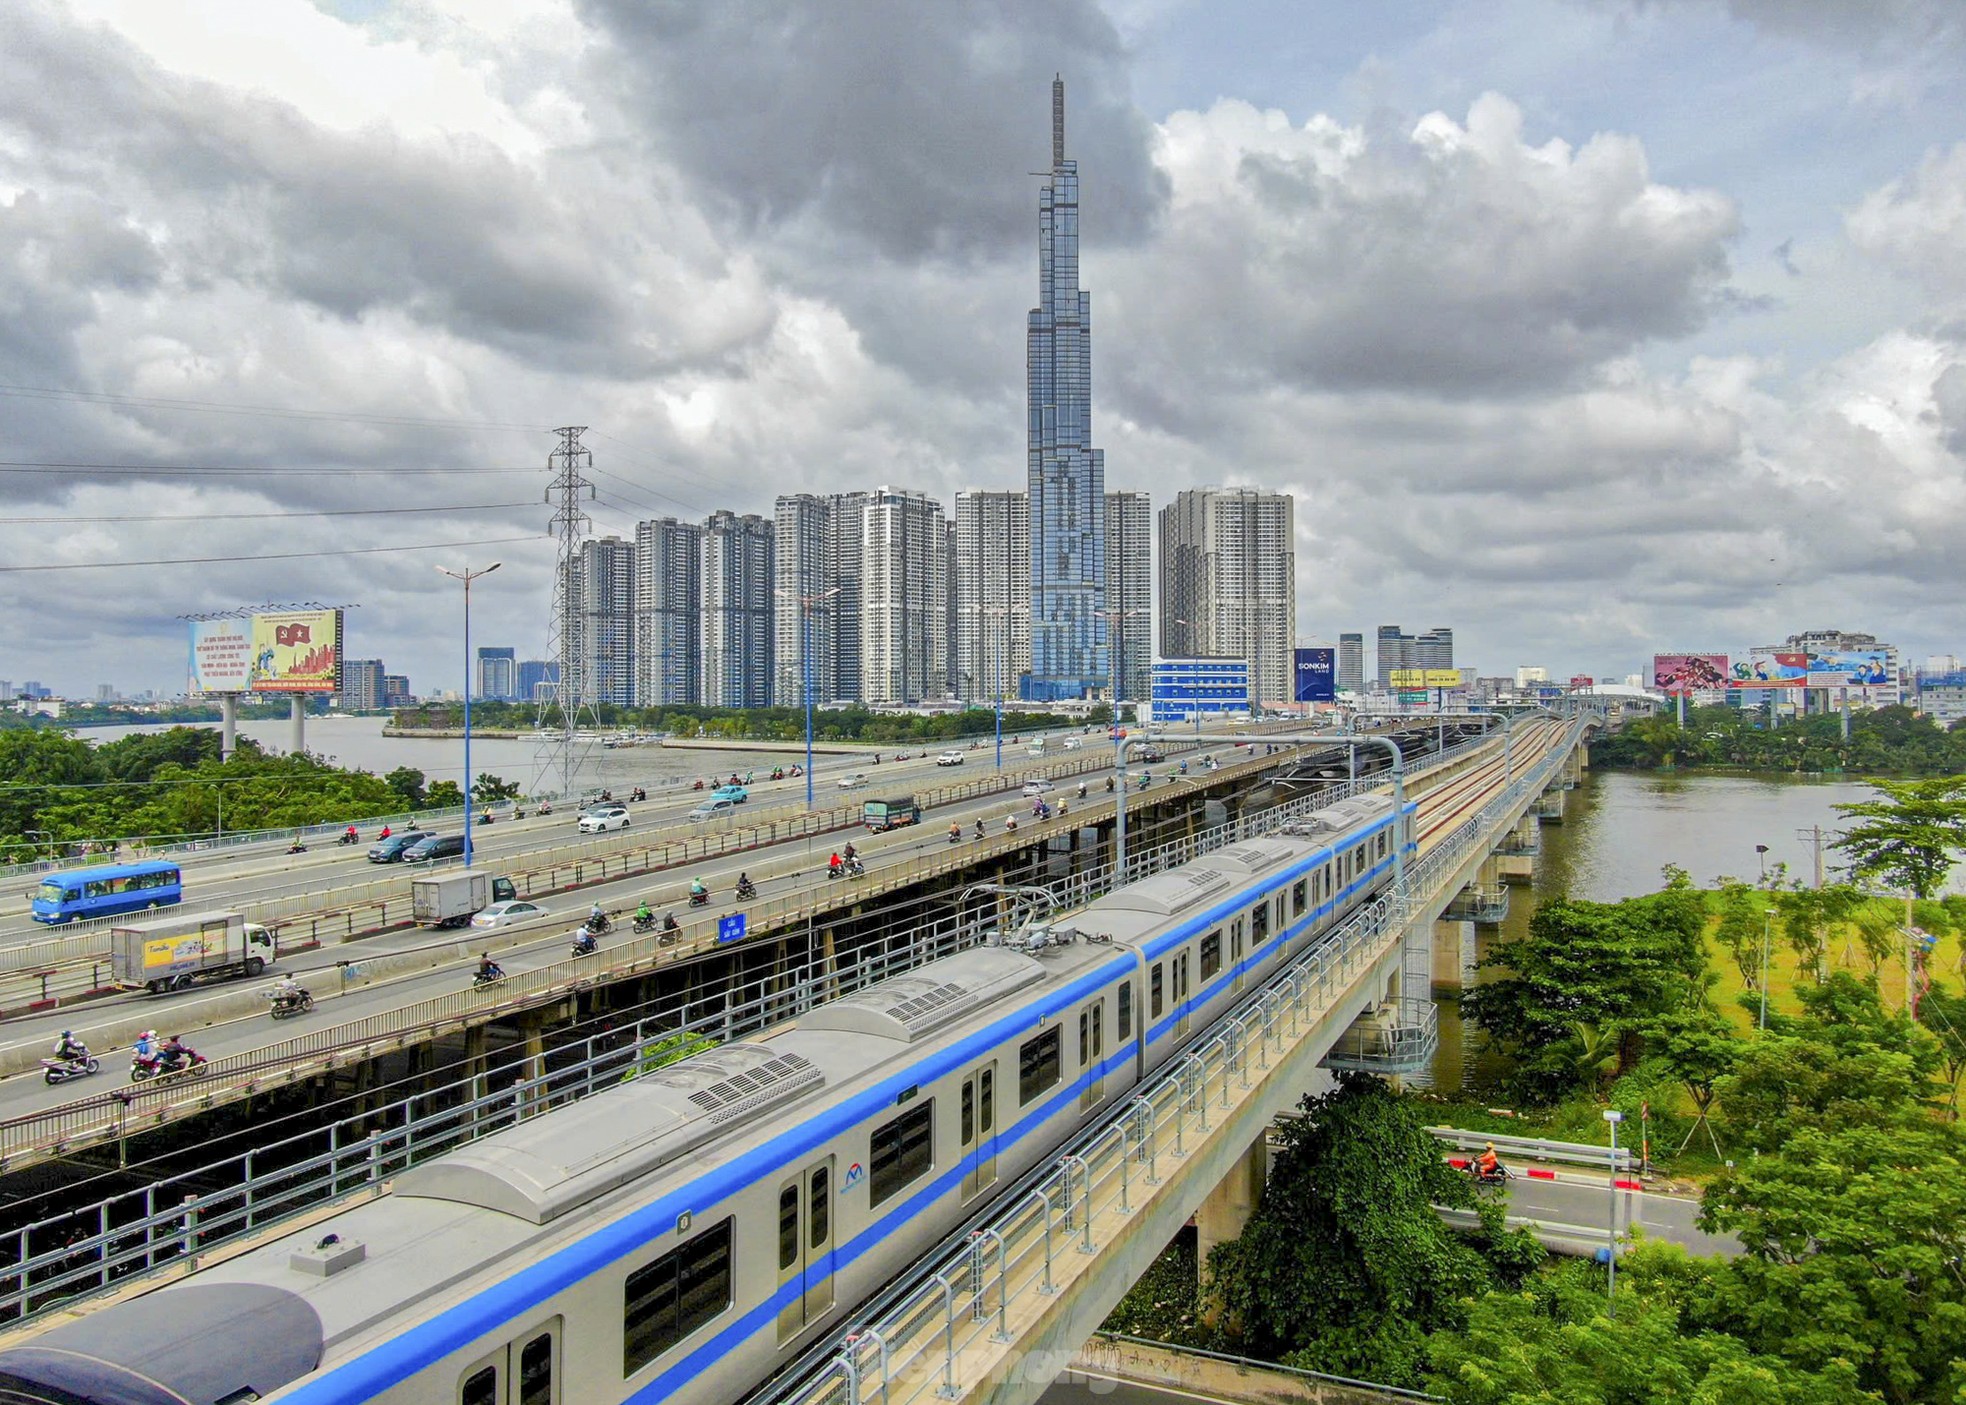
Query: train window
1038	1066
666	1300
820	1210
479	1388
788	1226
1085	1037
1126	1009
1299	898
1358	859
901	1151
1154	993
967	1113
986	1097
1181	976
1211	954
536	1371
1259	924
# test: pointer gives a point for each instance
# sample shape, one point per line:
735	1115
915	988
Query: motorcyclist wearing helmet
69	1049
833	865
1488	1163
488	969
642	913
146	1045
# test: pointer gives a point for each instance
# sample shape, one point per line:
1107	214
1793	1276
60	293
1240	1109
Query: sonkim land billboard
1689	673
1317	675
286	651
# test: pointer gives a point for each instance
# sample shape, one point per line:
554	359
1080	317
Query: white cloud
1918	226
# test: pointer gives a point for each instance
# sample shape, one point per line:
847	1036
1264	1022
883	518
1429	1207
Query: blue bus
83	893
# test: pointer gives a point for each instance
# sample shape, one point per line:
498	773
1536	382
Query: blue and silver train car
683	1236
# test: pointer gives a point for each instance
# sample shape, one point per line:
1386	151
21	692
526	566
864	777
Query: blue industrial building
1184	688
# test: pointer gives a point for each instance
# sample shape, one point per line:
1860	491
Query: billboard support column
1681	699
297	716
228	725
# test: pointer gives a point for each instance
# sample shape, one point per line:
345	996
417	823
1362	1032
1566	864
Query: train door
1180	983
1092	1053
805	1247
979	1129
525	1371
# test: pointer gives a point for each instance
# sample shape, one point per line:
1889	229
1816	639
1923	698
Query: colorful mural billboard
221	656
1850	668
1771	670
297	651
1689	673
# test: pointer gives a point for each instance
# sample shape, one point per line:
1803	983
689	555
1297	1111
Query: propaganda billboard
221	656
1581	680
297	651
1425	678
1771	670
1689	673
1851	668
1317	675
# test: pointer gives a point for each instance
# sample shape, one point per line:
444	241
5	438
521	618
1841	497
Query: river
1620	829
358	743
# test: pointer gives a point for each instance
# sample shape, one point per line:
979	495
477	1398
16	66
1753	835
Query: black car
390	850
432	847
1150	755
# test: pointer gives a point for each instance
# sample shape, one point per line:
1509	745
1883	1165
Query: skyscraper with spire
1067	476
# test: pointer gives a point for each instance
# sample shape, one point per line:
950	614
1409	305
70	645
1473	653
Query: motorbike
850	868
296	847
955	834
61	1070
699	899
1499	1176
584	943
166	1065
285	1003
746	890
348	838
598	924
645	924
545	807
485	818
481	979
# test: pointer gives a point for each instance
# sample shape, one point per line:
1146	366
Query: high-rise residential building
1395	652
1434	648
6	690
817	570
1351	663
362	688
668	613
951	681
498	674
993	594
603	607
903	647
737	600
538	680
1066	475
1229	582
1129	592
396	690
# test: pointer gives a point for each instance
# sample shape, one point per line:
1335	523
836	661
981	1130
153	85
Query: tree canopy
1911	837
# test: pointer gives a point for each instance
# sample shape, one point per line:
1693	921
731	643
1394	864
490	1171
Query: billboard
1317	676
1689	673
1425	678
1770	670
1581	680
221	656
1851	668
296	651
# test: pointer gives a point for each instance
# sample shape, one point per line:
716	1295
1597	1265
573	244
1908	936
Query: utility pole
1814	834
566	495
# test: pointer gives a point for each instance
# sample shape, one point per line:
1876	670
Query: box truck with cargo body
451	899
170	953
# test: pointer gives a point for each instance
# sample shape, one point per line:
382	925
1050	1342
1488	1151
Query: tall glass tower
1067	476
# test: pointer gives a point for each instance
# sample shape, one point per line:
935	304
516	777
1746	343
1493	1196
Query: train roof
919	1002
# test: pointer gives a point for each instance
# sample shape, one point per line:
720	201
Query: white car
949	758
1072	743
506	913
716	807
1038	787
853	780
602	818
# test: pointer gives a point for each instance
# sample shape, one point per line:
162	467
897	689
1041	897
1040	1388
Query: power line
240	470
221	407
93	518
265	556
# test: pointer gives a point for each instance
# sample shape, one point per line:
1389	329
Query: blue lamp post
467	576
806	602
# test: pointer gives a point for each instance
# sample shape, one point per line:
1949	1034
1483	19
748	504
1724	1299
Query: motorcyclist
955	830
669	922
146	1045
643	916
1081	790
286	991
1488	1165
833	865
174	1051
350	835
597	920
979	826
1010	824
69	1049
488	969
584	940
745	888
296	847
384	834
697	892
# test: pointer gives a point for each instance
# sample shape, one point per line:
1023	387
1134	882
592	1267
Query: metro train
685	1235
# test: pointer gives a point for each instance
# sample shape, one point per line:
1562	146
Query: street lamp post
1612	1118
468	575
1761	852
806	602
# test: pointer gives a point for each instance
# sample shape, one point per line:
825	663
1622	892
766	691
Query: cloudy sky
1587	327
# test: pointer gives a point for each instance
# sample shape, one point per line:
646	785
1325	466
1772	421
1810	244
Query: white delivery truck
169	953
451	899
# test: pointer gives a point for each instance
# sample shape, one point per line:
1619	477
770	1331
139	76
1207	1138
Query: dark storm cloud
912	127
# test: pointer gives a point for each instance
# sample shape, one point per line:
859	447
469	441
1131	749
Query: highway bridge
404	1060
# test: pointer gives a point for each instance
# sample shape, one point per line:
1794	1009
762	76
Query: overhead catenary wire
223	407
95	517
235	470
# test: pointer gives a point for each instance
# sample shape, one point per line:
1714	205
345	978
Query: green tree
1346	1265
1742	908
445	795
1944	1014
1699	1047
1910	838
489	789
406	784
1553	1343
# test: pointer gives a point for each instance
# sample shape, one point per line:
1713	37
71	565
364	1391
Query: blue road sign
731	928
